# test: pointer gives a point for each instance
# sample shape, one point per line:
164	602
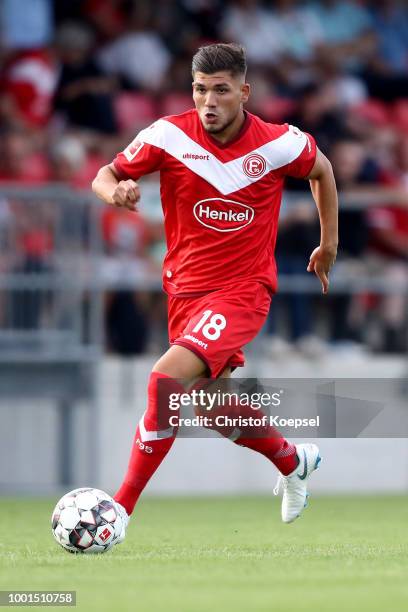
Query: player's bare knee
180	362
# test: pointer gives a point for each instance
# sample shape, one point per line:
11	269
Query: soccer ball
86	521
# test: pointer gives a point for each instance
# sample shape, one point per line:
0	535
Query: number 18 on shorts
218	325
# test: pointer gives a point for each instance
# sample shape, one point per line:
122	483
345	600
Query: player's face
218	99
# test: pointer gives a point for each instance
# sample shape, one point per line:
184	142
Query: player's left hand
321	260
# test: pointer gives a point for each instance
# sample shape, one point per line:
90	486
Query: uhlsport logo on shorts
254	165
223	215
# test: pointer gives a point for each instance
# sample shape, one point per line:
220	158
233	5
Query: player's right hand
321	261
126	195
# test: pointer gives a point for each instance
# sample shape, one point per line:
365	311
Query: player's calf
153	440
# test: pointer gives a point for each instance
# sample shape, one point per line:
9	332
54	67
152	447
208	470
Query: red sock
276	448
152	441
266	440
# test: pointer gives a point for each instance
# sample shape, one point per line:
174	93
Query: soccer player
222	172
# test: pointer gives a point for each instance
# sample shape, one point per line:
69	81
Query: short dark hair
220	56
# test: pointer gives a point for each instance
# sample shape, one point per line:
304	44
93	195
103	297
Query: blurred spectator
341	21
28	83
353	171
298	235
68	157
389	255
124	232
298	37
402	161
66	10
387	72
127	324
347	30
175	25
263	100
348	89
249	23
19	161
301	27
317	112
205	14
126	238
139	55
389	242
26	25
108	17
84	92
33	247
178	77
390	24
73	162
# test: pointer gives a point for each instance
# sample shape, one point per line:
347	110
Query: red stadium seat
373	111
275	110
176	103
134	110
400	114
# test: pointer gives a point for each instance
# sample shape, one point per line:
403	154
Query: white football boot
295	484
125	522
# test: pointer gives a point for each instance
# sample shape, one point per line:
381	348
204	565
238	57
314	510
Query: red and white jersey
220	201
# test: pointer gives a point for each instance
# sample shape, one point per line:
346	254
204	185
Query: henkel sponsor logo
223	215
254	165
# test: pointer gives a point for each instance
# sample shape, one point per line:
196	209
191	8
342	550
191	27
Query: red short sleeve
145	154
303	164
138	159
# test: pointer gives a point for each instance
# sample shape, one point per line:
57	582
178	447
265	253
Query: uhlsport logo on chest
223	215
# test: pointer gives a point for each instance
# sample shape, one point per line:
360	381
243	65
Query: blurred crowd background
79	78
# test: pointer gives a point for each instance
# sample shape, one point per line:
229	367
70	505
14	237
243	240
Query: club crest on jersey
223	215
254	165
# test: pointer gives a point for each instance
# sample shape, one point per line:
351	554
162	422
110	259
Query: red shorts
217	325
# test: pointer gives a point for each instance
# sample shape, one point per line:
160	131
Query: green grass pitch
219	554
